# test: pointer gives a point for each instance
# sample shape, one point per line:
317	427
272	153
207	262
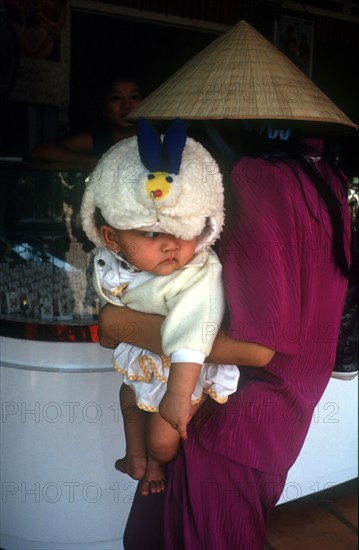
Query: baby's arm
195	310
176	403
197	305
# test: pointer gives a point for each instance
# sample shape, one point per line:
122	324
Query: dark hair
88	245
299	154
111	79
99	219
294	153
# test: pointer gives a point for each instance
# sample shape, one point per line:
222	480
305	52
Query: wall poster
42	28
294	37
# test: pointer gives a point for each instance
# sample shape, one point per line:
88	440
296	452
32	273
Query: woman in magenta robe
285	252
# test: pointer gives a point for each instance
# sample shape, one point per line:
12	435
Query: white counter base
62	431
330	452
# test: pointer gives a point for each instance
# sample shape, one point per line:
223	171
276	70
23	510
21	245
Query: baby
154	207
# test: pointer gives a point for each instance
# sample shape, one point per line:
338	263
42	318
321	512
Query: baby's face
158	253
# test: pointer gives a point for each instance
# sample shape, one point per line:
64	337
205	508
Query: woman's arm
120	324
74	148
229	351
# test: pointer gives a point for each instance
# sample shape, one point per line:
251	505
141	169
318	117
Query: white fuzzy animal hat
167	184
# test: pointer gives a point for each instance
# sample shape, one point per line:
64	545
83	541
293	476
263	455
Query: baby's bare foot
134	466
148	486
154	480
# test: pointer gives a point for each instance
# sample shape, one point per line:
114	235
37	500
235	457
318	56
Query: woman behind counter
121	96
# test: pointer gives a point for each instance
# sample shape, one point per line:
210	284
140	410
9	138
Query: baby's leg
134	463
162	446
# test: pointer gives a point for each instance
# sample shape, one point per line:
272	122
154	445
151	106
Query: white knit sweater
191	300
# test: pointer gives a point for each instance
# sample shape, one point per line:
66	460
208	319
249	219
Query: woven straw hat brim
241	75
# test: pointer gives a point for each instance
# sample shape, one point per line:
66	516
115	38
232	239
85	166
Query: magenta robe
283	291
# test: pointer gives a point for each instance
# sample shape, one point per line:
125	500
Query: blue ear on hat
173	145
158	156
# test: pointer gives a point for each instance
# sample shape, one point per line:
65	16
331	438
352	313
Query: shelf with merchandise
45	258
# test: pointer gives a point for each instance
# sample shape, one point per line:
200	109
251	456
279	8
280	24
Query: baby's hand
175	409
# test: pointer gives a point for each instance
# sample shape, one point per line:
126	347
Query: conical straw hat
241	75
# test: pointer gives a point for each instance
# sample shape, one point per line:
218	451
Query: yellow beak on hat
158	185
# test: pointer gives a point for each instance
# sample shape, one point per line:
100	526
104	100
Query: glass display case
46	290
45	266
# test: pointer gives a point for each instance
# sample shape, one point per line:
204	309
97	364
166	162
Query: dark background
102	45
148	51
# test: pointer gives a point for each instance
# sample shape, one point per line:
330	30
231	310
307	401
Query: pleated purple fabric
283	291
213	503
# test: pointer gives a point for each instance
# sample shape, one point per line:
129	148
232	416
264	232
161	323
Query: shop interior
49	89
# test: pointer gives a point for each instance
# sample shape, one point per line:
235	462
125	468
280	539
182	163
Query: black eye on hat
152	177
